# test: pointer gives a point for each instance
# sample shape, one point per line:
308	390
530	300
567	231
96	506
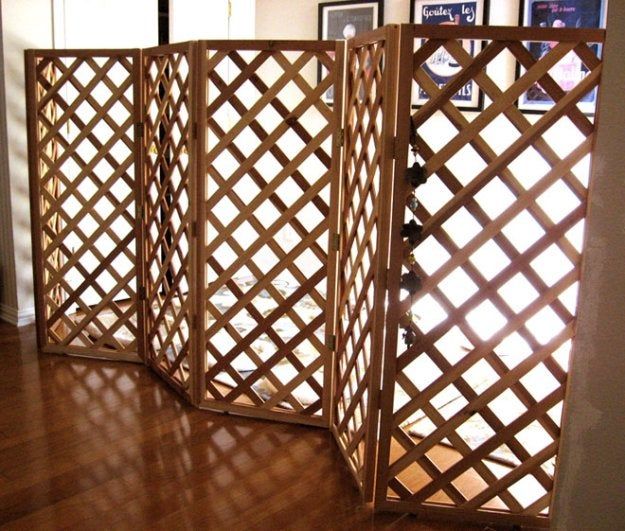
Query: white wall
47	24
589	493
8	294
242	23
105	23
209	19
197	19
25	24
286	19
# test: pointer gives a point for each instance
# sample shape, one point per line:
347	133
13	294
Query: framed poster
570	70
441	66
344	20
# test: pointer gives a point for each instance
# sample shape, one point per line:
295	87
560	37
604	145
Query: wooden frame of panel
367	179
169	217
245	61
57	130
463	502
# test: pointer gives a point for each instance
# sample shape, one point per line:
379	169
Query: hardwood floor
100	445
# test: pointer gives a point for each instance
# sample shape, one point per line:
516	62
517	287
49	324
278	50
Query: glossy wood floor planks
95	444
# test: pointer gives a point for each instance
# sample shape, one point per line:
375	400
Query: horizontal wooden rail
507	33
277	45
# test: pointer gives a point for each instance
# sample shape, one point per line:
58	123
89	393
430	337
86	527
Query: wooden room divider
239	216
84	157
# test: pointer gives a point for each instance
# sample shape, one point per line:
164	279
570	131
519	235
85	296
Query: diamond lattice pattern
85	113
478	396
268	166
167	214
360	211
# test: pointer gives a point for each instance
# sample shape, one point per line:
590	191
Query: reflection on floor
96	444
474	431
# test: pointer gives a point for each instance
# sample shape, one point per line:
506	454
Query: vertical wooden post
193	221
198	200
334	229
36	229
378	347
395	214
141	146
195	286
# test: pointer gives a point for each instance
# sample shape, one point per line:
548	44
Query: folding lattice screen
84	163
231	213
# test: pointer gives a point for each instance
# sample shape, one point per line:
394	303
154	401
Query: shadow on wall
18	169
7	267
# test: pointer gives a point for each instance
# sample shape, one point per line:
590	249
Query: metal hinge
340	137
395	148
194	229
194	130
142	293
335	241
384	279
139	127
379	399
331	342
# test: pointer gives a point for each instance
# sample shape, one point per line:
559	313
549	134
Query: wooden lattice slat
474	420
82	111
369	112
169	199
268	171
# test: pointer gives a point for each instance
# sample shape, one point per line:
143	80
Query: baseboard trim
16	317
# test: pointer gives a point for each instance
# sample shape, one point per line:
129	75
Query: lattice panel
168	174
475	420
82	113
360	310
268	174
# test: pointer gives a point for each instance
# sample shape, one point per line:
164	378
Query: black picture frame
559	13
345	19
457	12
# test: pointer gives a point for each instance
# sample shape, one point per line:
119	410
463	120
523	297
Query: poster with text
442	66
570	70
